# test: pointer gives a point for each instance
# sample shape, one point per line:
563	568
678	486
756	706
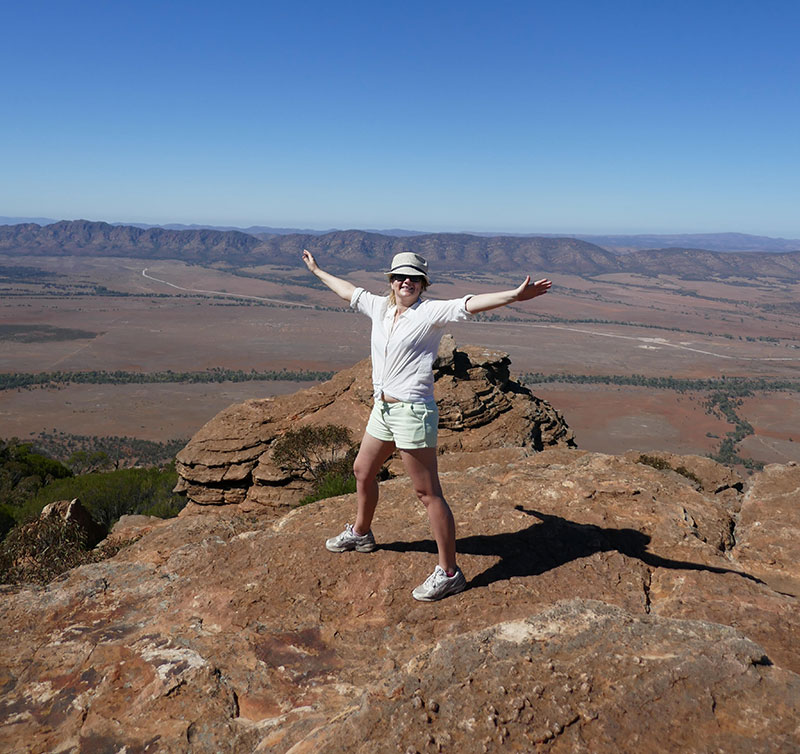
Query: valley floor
104	314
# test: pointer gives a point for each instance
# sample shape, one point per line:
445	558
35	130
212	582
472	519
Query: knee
362	471
429	497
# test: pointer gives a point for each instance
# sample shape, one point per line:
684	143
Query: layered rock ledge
229	460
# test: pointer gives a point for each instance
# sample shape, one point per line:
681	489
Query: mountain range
356	249
617	242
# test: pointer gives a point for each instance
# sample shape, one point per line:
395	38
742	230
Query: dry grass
38	552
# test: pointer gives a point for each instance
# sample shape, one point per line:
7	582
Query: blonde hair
393	300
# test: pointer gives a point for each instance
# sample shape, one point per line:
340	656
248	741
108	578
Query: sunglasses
401	278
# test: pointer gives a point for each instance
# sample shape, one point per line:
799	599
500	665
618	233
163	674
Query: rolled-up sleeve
354	299
453	310
463	311
368	303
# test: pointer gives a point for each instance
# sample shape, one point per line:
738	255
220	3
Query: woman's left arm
484	301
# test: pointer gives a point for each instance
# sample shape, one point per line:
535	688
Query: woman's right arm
340	287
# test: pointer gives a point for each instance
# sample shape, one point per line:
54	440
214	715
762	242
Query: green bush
315	450
109	495
7	520
325	453
29	463
332	484
22	473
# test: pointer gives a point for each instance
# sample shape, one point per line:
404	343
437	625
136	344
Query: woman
406	331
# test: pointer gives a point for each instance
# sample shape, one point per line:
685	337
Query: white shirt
403	351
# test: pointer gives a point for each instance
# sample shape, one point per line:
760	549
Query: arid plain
146	316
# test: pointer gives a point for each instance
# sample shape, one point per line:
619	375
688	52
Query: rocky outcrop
481	407
73	512
571	678
768	526
611	606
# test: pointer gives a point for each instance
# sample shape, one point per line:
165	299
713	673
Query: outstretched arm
485	301
340	287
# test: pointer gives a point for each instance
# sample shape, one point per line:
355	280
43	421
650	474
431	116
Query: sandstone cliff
229	460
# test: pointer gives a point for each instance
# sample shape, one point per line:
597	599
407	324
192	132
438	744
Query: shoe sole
357	548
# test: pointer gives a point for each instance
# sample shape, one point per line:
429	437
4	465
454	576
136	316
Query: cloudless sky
585	116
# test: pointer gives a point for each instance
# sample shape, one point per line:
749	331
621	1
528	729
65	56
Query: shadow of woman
551	542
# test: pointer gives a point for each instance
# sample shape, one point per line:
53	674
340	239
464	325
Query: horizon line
287	229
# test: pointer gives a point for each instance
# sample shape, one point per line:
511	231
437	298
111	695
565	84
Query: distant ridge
22	220
264	231
355	249
253	230
702	264
85	238
710	241
348	249
615	242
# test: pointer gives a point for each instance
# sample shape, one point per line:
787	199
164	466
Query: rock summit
639	603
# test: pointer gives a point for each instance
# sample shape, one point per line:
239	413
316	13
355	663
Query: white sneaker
439	585
349	540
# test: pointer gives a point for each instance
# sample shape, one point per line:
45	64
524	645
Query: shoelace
437	576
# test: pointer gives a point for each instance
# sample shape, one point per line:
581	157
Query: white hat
409	263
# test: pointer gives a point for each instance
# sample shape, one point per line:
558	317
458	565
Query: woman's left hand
530	290
308	258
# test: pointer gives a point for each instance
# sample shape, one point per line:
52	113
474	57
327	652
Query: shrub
325	453
655	462
663	465
40	550
7	520
683	471
43	549
109	495
331	485
22	473
315	450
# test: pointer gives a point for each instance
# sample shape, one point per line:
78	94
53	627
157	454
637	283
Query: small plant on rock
663	465
323	453
313	450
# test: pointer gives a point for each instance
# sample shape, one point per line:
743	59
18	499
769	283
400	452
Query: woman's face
407	288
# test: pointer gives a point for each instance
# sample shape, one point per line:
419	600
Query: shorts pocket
419	410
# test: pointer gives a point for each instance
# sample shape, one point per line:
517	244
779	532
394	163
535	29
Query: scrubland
69	314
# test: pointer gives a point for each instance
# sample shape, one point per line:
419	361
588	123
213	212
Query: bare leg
371	456
422	466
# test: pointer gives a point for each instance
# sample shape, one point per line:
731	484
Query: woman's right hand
311	263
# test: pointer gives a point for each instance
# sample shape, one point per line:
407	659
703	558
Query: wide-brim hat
409	263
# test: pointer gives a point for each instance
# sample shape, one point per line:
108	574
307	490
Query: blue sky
577	116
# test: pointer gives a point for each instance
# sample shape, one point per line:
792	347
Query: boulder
229	460
60	538
72	512
133	526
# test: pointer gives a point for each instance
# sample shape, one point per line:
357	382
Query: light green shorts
407	425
